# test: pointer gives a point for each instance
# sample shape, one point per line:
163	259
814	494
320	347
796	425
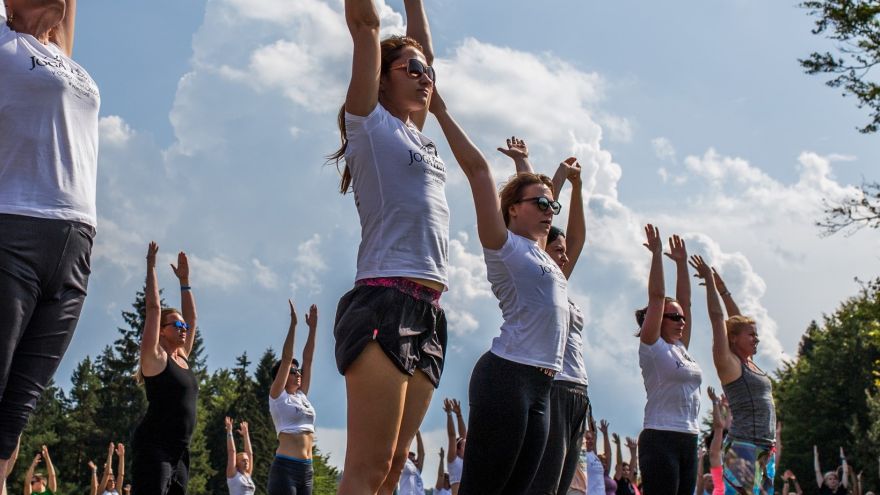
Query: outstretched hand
181	271
516	149
120	449
712	396
652	234
677	249
228	423
631	443
92	466
572	169
719	282
293	319
441	454
312	317
704	271
603	426
615	438
456	407
152	249
447	406
243	428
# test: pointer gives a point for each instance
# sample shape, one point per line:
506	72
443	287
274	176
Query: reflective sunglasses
179	325
543	203
415	68
674	316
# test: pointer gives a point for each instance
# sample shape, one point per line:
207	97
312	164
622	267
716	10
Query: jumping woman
160	442
390	330
293	414
668	442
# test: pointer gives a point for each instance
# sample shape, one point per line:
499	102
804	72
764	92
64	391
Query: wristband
229	434
185	287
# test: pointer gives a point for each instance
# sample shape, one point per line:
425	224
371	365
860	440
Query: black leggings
569	404
668	460
508	426
289	476
159	471
44	272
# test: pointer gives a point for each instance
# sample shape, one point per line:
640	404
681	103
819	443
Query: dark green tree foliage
105	404
855	29
828	395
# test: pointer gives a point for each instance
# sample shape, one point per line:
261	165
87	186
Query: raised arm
817	468
650	330
120	465
363	24
606	445
230	448
187	300
108	466
440	472
726	364
678	254
420	452
459	418
718	414
50	470
153	358
286	357
245	433
30	474
94	480
576	231
618	466
417	28
62	35
309	349
724	292
845	478
518	151
450	431
633	447
490	222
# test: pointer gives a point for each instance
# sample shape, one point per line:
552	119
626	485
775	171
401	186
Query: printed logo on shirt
430	162
76	78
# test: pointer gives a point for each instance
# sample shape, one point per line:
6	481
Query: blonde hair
139	374
738	323
513	189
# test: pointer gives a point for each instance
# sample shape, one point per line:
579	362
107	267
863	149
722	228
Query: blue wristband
185	287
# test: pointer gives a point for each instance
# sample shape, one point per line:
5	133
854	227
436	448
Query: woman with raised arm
442	487
750	443
831	483
595	467
390	330
48	168
239	466
569	401
510	386
110	485
457	443
789	478
292	413
625	473
38	483
411	482
668	441
160	443
610	486
716	470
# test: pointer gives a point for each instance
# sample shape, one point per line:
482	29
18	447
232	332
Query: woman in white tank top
239	466
292	413
456	443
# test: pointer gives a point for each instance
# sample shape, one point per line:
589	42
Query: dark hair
640	314
278	366
512	190
390	49
555	233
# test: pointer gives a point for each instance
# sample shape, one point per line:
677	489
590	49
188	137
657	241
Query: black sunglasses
415	68
543	203
674	316
296	371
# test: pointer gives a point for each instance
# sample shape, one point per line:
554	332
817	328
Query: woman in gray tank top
750	448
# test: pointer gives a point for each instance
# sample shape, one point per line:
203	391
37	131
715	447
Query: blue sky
693	115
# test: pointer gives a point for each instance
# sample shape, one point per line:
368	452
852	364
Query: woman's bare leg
418	397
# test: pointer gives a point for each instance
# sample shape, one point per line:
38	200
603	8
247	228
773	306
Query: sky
694	116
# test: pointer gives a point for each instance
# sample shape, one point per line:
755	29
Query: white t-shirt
48	130
292	413
410	480
672	382
399	185
533	295
107	492
241	484
454	469
595	474
442	491
573	368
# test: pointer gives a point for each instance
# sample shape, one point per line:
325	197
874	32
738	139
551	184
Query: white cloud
217	271
264	275
114	131
663	149
309	264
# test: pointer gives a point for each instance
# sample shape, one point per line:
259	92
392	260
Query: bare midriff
298	445
428	283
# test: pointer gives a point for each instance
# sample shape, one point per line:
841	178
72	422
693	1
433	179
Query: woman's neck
395	110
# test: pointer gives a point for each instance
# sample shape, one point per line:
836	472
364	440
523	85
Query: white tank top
595	474
410	480
241	484
454	469
399	185
533	295
292	413
573	368
48	131
672	382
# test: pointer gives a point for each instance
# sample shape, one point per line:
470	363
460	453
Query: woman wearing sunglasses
569	403
390	330
293	414
510	384
160	443
752	440
668	442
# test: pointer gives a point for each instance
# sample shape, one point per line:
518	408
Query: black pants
507	427
44	273
668	460
289	477
159	471
569	405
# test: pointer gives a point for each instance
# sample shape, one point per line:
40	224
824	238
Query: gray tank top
751	404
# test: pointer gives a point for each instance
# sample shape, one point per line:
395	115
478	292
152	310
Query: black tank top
171	413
